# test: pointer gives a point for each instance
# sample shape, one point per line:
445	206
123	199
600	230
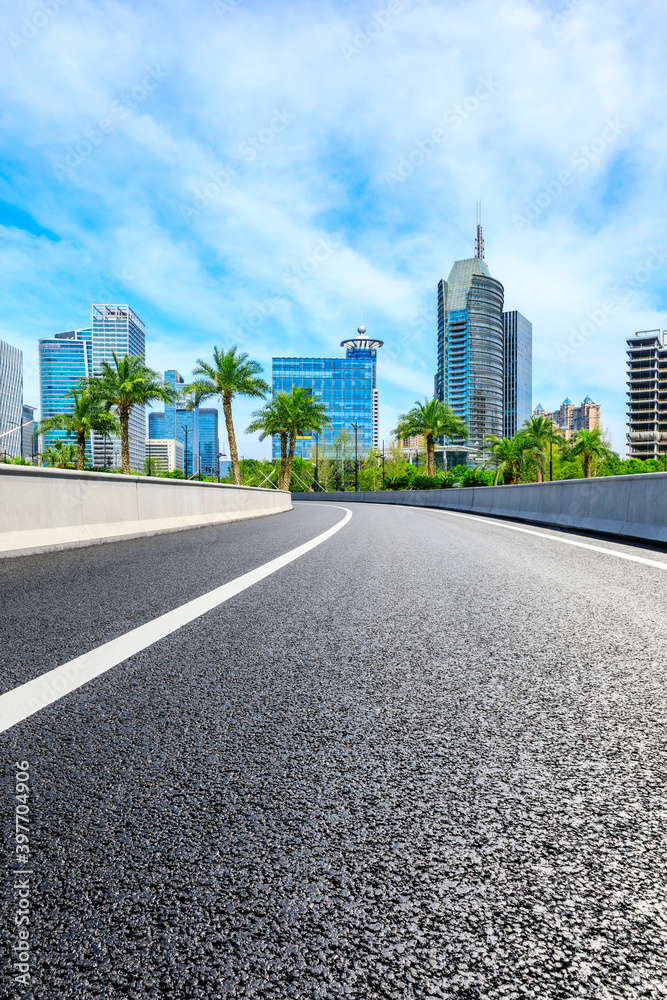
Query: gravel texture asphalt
425	760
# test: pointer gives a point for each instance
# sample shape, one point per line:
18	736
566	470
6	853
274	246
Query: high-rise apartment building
11	400
64	360
647	394
347	386
470	370
116	328
518	372
571	419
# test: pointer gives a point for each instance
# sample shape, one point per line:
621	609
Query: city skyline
248	206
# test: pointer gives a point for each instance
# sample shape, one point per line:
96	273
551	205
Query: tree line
104	402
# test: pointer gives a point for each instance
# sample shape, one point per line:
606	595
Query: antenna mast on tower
479	239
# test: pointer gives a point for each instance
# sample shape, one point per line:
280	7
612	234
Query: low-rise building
164	454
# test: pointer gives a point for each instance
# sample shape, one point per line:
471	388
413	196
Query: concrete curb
630	507
45	510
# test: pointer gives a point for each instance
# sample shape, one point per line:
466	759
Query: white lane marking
24	701
552	538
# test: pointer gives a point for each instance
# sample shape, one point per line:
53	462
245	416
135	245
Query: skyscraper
117	328
196	429
647	405
63	360
209	439
470	370
347	386
518	380
29	446
11	399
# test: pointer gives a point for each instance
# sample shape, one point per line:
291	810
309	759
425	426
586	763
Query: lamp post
382	463
316	481
149	456
199	462
551	461
356	458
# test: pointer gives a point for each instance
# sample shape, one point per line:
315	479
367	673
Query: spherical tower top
361	342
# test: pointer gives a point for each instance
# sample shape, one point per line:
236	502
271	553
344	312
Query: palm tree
302	412
590	445
127	383
430	420
539	433
60	456
229	375
86	414
508	455
272	420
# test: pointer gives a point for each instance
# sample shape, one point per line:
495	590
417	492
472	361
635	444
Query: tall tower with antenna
470	375
479	239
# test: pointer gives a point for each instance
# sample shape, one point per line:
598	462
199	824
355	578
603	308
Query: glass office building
196	429
64	360
347	386
470	371
208	440
11	400
518	386
29	447
117	328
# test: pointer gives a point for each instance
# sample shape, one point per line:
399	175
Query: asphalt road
425	760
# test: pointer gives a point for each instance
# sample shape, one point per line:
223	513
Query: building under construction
647	394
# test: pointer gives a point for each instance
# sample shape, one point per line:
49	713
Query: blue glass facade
197	429
518	387
347	386
63	361
208	439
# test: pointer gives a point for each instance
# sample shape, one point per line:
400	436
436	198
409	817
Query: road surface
424	759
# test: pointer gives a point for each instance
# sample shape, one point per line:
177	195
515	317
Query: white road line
552	538
24	701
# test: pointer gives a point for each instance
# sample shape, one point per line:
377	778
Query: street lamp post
149	456
185	456
199	462
551	461
356	458
382	463
316	482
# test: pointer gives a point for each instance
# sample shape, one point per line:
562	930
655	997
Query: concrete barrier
47	509
632	507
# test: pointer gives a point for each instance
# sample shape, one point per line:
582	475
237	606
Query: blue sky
263	173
